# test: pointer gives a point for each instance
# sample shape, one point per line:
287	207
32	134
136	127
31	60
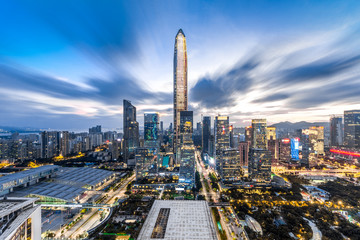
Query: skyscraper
336	131
180	83
186	122
131	130
260	165
151	126
187	162
206	133
230	167
222	137
352	128
259	134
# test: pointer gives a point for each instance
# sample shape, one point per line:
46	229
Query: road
230	223
92	217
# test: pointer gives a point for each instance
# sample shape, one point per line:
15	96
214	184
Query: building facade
180	84
230	167
352	129
206	133
260	165
222	137
336	131
259	134
131	130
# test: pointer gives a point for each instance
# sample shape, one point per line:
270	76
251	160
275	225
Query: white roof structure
82	176
178	220
23	177
53	190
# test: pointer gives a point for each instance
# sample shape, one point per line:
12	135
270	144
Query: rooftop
178	220
13	204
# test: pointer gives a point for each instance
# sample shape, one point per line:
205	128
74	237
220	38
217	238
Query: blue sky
69	64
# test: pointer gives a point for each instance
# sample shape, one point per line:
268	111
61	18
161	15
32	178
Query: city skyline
74	73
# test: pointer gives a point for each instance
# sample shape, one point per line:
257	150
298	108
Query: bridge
80	205
219	204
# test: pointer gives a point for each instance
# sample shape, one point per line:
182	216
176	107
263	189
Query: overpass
80	205
219	204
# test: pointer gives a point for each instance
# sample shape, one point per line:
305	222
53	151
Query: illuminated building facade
151	126
272	144
352	129
131	130
222	137
244	153
248	135
259	134
295	148
316	139
180	83
284	150
187	162
336	131
186	122
206	133
260	165
230	166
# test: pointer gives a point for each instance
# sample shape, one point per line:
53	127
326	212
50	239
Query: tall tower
180	84
131	130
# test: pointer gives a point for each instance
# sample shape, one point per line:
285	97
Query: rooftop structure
25	178
178	220
84	177
20	218
52	191
66	186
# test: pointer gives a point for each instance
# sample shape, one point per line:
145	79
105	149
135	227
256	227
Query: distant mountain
299	125
7	129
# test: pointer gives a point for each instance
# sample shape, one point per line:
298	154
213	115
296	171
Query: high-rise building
248	135
284	150
272	144
187	162
316	138
96	129
259	134
145	163
222	137
64	143
244	153
305	148
50	144
230	166
206	133
151	126
186	122
131	130
180	84
336	131
352	128
260	165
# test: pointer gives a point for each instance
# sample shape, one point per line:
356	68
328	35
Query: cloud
290	77
271	98
219	91
320	69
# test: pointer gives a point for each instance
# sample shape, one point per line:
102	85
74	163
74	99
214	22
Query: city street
229	223
92	217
